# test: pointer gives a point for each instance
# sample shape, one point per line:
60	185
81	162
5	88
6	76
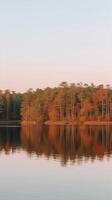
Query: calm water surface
56	163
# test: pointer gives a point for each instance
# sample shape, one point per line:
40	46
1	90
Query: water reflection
10	139
65	143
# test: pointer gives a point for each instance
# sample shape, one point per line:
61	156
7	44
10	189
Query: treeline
66	103
70	103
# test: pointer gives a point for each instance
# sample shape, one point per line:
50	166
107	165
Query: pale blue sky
44	42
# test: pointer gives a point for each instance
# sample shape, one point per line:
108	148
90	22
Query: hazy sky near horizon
44	42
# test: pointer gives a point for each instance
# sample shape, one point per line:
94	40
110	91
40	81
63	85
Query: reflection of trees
9	139
68	143
65	143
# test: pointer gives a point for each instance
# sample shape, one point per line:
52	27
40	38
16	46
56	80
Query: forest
70	103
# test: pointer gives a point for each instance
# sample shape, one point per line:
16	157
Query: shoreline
94	123
57	123
10	123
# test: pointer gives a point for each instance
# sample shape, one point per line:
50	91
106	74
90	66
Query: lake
56	163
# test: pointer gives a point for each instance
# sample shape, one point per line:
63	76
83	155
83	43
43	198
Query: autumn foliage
66	103
70	103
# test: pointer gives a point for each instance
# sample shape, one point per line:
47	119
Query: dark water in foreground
56	163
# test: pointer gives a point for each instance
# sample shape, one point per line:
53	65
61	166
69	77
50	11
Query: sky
45	42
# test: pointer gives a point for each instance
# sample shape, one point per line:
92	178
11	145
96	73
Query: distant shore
57	123
79	123
10	122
